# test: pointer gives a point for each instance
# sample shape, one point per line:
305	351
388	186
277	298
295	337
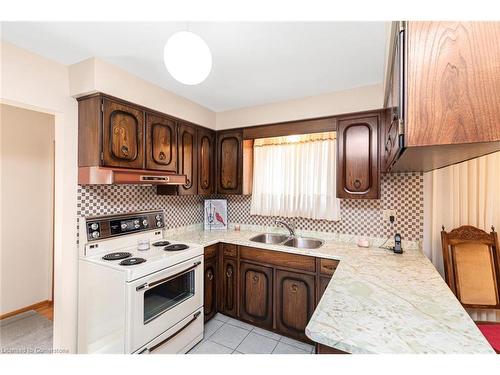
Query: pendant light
187	58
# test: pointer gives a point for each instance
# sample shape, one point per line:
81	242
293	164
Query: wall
353	100
94	75
33	82
402	192
27	156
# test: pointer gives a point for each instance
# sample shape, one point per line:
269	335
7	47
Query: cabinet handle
357	184
210	275
124	150
162	155
188	181
256	278
294	287
229	272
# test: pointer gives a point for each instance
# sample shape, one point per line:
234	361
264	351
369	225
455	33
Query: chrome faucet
290	227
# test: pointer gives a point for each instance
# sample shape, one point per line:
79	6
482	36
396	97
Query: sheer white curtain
294	176
465	193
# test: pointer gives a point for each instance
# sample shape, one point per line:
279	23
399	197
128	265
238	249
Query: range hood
115	176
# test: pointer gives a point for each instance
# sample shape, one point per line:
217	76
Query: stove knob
95	234
94	226
158	224
137	226
158	217
124	226
145	223
136	222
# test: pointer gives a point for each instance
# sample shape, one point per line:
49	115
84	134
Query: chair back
472	266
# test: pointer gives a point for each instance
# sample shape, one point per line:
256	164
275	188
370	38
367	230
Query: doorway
26	230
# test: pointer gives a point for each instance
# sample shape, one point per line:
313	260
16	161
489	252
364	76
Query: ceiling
253	62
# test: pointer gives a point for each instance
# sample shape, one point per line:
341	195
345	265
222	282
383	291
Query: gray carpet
25	333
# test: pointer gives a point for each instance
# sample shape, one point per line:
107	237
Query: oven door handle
164	280
149	350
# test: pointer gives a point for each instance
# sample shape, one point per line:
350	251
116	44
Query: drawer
229	250
278	258
328	266
210	251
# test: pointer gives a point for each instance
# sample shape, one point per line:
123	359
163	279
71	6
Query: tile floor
225	335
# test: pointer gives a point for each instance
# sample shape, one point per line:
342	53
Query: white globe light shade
187	58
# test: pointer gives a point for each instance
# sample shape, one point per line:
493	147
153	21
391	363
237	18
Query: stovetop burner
116	256
176	247
132	261
161	243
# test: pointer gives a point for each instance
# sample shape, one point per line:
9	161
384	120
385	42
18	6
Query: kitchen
201	225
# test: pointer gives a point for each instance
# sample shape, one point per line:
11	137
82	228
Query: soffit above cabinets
254	63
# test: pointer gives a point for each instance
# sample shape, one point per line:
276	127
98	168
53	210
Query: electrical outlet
386	214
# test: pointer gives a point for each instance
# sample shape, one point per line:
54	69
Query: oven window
166	295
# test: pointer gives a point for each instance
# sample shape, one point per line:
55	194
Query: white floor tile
298	344
257	344
239	323
229	336
210	327
266	333
283	348
221	317
209	347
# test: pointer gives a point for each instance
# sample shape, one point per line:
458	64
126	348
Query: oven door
163	299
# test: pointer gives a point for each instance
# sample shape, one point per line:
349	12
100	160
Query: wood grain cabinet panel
188	158
294	302
206	161
229	287
123	130
453	82
161	143
210	289
230	162
256	294
358	173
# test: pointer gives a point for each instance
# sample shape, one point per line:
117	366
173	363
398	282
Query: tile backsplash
402	192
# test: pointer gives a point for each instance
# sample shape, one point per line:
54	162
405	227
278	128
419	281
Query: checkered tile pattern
402	192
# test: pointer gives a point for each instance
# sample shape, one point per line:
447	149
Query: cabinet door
229	287
122	136
294	302
161	143
188	158
230	162
256	294
206	162
210	289
323	284
358	164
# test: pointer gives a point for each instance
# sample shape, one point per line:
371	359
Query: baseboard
35	306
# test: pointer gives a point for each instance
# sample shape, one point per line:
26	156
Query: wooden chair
472	271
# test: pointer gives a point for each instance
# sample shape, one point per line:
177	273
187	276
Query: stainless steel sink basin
270	238
303	242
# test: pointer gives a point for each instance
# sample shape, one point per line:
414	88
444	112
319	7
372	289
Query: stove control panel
117	225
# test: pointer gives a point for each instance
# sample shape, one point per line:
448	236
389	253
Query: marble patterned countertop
377	301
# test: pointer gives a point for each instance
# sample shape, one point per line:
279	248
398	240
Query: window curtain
463	194
295	176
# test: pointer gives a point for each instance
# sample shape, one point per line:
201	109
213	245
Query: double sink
288	240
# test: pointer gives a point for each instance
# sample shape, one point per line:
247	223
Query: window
295	176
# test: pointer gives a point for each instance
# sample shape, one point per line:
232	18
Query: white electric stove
138	292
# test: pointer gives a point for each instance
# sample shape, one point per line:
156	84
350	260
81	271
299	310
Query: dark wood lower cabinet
274	290
294	302
256	294
229	287
323	349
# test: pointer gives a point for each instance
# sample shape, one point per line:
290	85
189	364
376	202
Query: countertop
376	301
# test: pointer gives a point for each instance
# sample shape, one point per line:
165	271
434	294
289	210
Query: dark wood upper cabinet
230	162
161	143
206	161
229	286
122	136
295	302
188	158
446	77
256	294
358	158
